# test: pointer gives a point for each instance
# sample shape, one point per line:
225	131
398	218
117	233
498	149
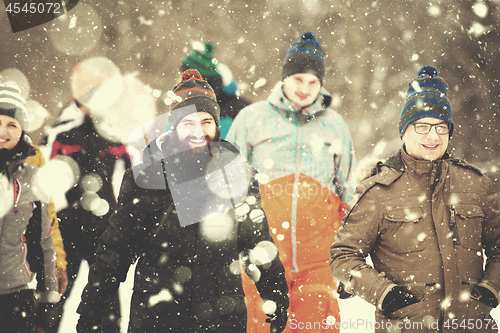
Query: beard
195	155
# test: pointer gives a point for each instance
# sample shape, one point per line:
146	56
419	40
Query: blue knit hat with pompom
427	96
305	56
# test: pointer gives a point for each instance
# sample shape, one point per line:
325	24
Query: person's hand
62	277
398	298
484	295
277	320
343	294
38	330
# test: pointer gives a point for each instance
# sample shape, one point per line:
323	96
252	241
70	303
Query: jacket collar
16	161
418	167
397	164
403	162
278	99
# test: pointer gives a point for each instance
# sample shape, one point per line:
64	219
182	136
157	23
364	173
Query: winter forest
373	48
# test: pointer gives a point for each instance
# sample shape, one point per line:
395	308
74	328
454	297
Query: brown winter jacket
406	217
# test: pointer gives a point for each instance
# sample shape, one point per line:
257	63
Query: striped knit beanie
305	56
426	97
12	104
192	94
203	60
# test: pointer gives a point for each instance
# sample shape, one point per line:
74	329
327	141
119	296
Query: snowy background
373	49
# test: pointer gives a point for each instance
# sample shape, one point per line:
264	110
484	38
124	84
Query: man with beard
187	213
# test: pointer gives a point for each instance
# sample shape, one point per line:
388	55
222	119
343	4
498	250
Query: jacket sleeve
260	257
117	250
345	161
57	238
353	243
491	239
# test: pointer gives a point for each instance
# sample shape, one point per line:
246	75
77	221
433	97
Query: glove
484	295
343	294
46	315
277	320
396	299
88	324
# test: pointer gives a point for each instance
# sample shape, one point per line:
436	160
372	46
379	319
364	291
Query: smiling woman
10	132
26	246
13	115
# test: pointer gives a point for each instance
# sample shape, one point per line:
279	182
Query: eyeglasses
424	128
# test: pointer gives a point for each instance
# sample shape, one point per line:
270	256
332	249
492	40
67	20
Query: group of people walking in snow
245	217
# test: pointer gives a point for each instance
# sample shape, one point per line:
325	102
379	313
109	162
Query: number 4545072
32	8
471	324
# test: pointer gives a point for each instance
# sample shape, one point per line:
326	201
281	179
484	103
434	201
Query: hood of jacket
278	99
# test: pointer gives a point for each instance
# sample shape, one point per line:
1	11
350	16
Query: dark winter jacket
230	106
194	270
93	157
26	245
425	225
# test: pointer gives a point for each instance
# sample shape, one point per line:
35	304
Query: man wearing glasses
426	220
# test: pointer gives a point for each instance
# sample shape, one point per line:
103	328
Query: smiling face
195	128
430	146
10	132
302	88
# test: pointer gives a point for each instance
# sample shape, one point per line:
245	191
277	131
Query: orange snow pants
311	288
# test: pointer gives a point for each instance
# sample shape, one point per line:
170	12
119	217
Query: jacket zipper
17	193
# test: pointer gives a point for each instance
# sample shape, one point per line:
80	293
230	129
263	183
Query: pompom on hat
12	104
427	96
192	94
305	56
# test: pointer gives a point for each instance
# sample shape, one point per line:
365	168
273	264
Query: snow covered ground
357	315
